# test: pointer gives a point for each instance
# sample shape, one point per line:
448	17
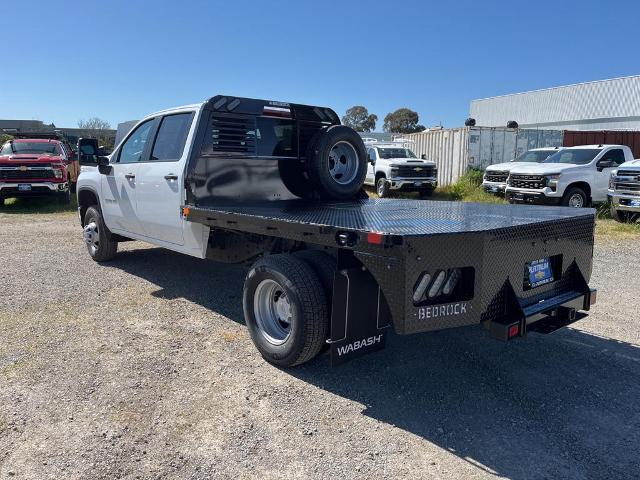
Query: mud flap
360	316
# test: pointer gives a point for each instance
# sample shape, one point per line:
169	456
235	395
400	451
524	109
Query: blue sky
120	60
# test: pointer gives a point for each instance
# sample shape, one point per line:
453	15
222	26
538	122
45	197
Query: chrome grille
527	181
496	176
417	171
627	180
26	172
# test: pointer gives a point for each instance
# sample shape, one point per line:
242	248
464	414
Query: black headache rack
429	265
252	150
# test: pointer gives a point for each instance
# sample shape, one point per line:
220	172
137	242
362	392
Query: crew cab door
160	180
371	167
120	185
609	160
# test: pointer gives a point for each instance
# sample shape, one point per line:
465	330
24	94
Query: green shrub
468	188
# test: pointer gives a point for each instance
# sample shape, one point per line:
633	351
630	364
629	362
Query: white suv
393	166
574	176
495	176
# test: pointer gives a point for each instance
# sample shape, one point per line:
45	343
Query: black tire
308	326
382	187
571	194
324	266
619	216
427	192
64	198
106	247
1	202
337	186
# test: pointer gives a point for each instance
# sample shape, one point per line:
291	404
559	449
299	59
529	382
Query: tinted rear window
276	137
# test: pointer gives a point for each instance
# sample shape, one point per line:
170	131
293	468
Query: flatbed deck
390	217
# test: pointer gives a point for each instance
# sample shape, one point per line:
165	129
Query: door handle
171	176
130	176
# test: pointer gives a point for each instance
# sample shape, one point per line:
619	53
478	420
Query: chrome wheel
576	201
381	191
91	236
343	163
272	311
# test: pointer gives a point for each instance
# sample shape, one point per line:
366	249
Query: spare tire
337	163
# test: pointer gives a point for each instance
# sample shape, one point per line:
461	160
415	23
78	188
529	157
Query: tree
97	128
94	123
358	118
402	120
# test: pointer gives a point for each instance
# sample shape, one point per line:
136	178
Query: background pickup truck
393	166
31	167
574	176
277	185
495	176
624	191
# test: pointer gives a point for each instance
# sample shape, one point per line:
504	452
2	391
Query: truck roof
578	147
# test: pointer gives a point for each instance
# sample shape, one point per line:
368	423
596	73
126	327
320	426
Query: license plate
634	203
540	272
494	189
24	187
417	184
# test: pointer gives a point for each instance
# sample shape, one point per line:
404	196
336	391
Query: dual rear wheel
286	302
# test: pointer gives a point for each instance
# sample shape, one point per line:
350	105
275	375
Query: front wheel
64	198
285	309
382	187
96	235
575	197
619	216
427	192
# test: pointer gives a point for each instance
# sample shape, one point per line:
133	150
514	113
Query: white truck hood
630	165
507	166
415	162
543	168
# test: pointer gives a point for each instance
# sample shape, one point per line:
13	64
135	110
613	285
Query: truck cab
624	191
574	176
495	176
36	167
394	166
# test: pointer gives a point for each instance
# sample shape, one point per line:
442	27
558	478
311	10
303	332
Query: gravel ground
144	369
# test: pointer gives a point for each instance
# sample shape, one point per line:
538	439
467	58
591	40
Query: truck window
578	156
171	137
616	154
276	137
133	148
372	155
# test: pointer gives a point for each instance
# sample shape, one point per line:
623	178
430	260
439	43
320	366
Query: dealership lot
143	368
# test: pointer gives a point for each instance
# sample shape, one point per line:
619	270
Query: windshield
40	148
578	156
534	156
396	153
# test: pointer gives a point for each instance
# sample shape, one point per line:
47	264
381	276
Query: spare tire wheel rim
273	312
344	163
576	200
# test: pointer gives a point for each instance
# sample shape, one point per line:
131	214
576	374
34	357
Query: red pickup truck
32	167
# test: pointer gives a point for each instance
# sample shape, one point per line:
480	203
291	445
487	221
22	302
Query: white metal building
601	105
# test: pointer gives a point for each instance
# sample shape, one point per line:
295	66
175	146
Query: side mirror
103	165
423	156
604	163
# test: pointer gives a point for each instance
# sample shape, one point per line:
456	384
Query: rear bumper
408	184
545	316
624	202
37	189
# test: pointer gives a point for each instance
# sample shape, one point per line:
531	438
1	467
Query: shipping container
596	137
456	150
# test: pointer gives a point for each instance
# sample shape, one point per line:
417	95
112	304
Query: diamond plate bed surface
402	217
